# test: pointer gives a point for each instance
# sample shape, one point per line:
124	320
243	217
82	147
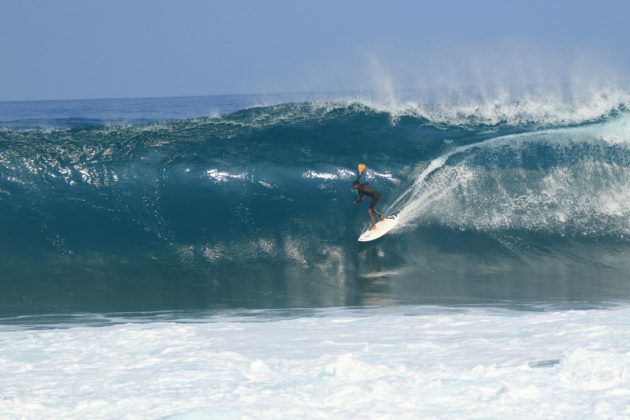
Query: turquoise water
245	202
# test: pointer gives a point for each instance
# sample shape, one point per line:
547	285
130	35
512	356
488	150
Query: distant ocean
197	257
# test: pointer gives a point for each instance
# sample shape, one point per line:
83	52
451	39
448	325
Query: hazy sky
137	48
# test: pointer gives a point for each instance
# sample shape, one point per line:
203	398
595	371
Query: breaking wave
261	197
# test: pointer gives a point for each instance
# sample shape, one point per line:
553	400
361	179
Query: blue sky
70	49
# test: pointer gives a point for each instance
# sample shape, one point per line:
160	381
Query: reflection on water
428	266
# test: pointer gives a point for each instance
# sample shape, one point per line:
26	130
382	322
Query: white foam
266	184
588	195
345	174
406	361
539	106
327	176
223	176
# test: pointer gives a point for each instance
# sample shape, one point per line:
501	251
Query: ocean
196	257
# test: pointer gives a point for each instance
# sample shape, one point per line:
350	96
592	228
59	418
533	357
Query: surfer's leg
372	225
372	208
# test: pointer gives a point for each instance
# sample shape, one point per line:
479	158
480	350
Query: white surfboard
381	229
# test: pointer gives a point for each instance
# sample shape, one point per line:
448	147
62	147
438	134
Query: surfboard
381	229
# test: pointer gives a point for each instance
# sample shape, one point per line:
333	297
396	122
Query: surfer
365	189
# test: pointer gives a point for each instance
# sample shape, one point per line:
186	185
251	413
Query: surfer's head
356	184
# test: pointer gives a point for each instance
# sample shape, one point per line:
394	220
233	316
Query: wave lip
540	106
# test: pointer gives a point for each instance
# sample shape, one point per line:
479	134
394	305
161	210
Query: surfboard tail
382	227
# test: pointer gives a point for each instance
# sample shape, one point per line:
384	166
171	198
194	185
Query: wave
263	195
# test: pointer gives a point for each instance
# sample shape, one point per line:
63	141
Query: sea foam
403	361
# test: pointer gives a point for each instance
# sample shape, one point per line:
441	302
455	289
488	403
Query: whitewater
197	257
407	362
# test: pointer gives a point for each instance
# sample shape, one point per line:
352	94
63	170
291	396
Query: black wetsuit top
365	189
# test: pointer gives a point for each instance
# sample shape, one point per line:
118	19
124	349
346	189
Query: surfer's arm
359	198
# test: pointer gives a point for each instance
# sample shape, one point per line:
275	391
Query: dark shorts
374	200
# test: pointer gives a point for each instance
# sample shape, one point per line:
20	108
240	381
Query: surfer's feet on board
372	227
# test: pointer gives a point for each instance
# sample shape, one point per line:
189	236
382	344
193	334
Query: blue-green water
229	202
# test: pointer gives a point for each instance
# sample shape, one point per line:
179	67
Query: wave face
254	208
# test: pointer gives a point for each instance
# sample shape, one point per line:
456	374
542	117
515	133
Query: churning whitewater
410	362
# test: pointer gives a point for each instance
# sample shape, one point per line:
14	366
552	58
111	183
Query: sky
74	49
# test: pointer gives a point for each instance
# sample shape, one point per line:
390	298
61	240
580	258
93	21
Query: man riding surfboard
365	189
